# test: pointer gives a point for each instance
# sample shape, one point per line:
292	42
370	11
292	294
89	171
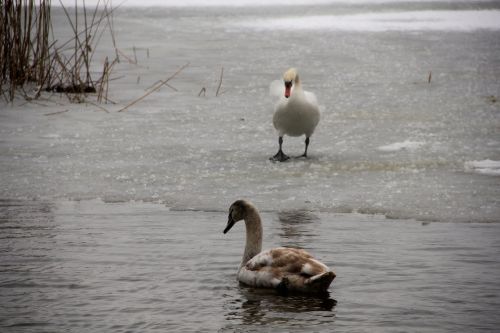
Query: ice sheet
486	167
202	152
236	3
460	20
405	145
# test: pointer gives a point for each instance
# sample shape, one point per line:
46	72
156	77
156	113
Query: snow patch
397	146
424	20
485	167
50	136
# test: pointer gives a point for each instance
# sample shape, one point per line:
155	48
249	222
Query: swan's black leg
280	155
305	151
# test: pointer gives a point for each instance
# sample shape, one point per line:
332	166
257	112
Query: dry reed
157	86
24	45
30	54
220	82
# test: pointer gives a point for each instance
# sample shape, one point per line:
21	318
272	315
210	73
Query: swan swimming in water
285	269
296	113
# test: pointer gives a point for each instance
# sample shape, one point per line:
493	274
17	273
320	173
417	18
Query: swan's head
237	212
290	78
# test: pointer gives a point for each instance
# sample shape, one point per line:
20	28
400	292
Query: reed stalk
29	53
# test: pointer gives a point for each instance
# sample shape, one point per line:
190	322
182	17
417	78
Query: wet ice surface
430	20
388	141
90	266
487	167
88	242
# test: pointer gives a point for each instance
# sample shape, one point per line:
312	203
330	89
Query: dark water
134	267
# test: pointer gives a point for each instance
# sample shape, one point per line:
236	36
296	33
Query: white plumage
296	112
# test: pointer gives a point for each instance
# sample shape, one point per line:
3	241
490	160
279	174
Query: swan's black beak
230	223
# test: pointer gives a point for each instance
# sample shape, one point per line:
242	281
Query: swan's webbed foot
280	156
302	156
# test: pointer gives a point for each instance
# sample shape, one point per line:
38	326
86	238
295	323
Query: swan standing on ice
295	115
286	269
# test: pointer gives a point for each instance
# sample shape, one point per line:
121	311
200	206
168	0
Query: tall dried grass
29	52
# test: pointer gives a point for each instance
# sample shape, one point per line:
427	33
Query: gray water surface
91	266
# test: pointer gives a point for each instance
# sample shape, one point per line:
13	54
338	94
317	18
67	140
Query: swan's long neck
297	81
253	244
297	86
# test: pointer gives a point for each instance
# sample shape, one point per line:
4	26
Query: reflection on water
264	308
297	228
22	210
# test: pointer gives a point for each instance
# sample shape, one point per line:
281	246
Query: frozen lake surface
112	221
388	142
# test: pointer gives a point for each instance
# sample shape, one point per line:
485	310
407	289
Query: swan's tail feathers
322	281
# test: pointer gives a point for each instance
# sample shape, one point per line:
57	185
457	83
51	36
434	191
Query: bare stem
155	88
220	82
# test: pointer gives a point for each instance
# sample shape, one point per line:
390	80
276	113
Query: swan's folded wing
287	260
297	261
303	272
260	260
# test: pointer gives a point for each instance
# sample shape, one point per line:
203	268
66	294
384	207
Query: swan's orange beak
288	88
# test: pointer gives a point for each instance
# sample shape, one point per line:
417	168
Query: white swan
286	269
296	113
